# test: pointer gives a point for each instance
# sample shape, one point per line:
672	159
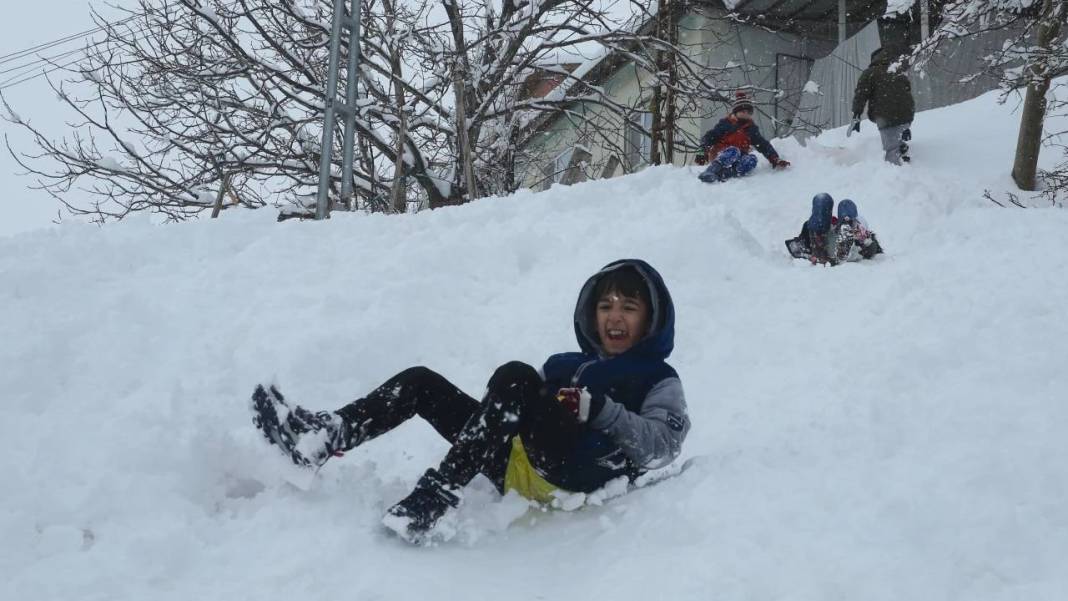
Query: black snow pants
516	403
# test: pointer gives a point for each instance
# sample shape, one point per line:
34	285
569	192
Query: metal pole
322	208
842	31
350	102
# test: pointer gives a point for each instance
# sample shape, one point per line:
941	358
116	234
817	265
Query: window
637	143
561	163
553	171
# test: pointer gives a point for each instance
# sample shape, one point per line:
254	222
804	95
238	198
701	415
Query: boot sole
265	418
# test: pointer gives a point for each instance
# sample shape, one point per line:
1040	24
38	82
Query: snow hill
872	432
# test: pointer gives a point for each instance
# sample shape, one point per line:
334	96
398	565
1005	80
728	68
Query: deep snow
879	431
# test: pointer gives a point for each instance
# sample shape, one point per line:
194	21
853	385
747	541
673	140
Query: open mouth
616	335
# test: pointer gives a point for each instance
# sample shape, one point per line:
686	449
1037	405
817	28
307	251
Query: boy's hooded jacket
643	421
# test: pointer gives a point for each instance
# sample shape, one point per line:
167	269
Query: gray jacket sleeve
653	438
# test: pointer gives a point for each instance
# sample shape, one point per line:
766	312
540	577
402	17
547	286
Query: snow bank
880	431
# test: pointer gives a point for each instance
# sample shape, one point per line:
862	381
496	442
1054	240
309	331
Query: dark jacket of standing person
885	89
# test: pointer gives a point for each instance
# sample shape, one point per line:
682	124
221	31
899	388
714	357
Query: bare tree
1033	54
189	91
208	104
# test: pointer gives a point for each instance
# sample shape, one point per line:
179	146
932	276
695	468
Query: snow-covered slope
880	431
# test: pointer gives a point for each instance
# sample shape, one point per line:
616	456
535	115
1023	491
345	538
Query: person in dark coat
885	89
727	147
614	409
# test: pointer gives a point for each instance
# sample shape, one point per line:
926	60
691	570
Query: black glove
701	159
856	123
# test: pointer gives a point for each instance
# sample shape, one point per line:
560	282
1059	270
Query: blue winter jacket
643	421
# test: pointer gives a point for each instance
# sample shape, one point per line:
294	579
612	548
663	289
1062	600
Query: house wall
751	52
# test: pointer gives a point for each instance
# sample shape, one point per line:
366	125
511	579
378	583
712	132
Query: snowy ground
881	431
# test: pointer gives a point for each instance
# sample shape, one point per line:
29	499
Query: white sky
27	24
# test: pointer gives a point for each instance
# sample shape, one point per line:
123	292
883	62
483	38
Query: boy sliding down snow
823	239
727	145
614	409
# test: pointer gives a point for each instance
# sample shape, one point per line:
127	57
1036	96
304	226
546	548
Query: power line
6	58
42	61
22	72
10	84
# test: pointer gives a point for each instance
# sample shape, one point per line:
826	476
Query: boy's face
621	321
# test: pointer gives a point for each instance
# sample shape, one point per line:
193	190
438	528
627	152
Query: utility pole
842	25
346	108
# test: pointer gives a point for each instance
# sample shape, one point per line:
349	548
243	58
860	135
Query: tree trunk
656	127
459	82
1029	142
398	199
462	142
657	101
670	111
224	186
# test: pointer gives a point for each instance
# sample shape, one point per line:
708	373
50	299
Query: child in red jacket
727	147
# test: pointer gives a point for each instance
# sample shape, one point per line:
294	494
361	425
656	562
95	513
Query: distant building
798	58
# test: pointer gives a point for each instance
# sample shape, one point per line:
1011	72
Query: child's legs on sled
745	165
730	162
481	433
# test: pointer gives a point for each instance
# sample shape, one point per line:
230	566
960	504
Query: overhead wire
6	58
26	71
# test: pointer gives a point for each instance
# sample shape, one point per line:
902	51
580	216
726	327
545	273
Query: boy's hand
701	159
780	163
579	403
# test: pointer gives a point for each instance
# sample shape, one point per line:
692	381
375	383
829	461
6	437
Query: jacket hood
822	208
658	342
847	209
885	60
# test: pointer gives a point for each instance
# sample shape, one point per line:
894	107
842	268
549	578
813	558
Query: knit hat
741	102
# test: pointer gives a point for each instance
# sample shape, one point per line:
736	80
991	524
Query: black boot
414	517
308	438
